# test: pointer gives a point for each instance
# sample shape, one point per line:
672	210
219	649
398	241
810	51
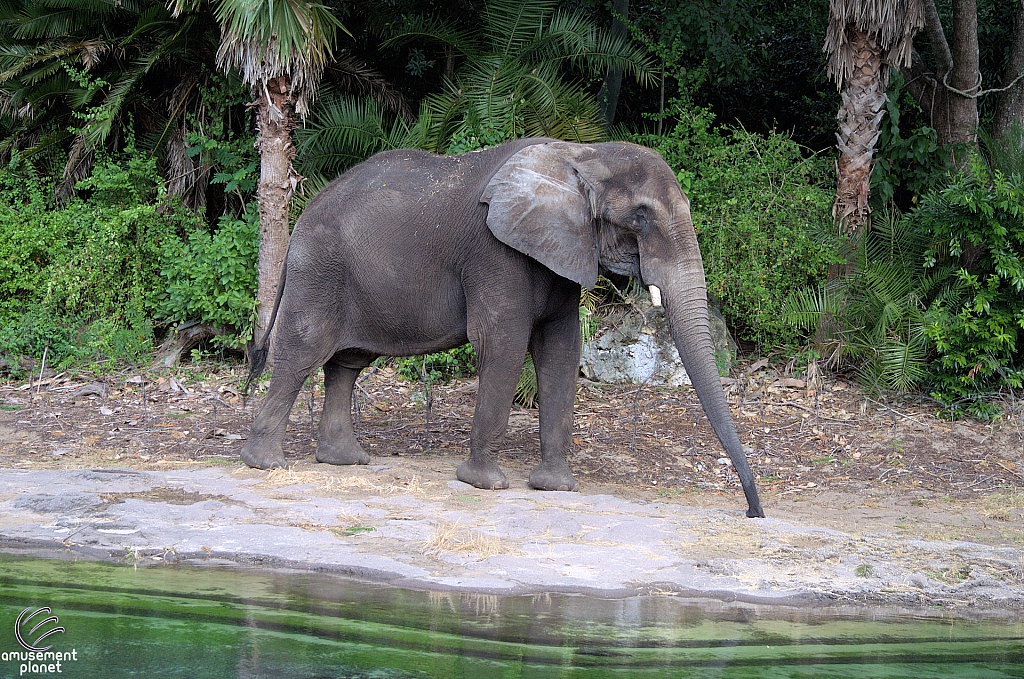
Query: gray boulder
638	348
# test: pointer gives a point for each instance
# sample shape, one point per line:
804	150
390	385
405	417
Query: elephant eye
641	221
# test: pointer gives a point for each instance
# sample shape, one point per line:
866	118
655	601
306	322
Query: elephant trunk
687	309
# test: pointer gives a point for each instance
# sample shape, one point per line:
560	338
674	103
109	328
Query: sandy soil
826	456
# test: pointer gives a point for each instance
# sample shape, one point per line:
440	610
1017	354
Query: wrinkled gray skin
410	253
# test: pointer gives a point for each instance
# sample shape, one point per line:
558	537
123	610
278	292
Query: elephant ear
540	204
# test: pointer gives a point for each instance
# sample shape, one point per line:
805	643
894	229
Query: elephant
410	253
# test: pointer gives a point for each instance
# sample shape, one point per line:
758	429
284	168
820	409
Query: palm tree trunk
274	125
860	116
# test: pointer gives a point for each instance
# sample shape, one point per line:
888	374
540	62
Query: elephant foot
263	457
482	474
552	477
349	452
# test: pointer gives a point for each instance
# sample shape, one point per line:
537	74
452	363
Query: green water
197	623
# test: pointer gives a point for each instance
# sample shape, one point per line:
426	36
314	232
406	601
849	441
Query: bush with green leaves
873	319
934	298
761	209
93	279
211	276
440	366
908	164
81	279
977	221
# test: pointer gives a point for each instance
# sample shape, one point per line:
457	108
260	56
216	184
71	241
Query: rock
635	351
92	389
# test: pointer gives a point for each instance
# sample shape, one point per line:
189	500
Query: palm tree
72	74
513	79
280	49
864	39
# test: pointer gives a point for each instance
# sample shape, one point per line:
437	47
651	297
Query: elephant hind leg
263	449
295	357
336	440
500	361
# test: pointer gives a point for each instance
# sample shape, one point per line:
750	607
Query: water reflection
248	624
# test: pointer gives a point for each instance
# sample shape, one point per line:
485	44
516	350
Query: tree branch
937	37
920	83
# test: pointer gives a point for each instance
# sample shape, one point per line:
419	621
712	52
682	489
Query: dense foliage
935	296
79	279
977	221
761	210
128	173
90	280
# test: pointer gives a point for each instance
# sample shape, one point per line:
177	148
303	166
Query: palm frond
886	306
344	131
511	25
526	388
264	40
808	308
77	168
436	30
573	38
892	22
356	78
902	364
17	60
441	115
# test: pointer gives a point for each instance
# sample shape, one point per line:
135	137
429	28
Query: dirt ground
822	452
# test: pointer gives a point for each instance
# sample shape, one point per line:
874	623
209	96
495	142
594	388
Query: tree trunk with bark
947	91
860	116
1011	102
608	97
275	121
865	38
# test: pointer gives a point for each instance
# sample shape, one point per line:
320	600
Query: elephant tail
257	355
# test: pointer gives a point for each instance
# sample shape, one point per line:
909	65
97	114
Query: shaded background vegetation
129	173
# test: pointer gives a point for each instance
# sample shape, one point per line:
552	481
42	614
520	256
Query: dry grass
1012	572
411	486
1002	506
277	478
451	537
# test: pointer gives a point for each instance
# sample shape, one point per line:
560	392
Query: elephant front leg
555	348
500	364
336	440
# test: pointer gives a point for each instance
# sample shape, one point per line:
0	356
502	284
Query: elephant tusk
655	295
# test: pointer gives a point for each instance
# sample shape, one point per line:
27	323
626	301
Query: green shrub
91	279
907	165
977	221
935	297
762	214
81	279
873	319
438	367
211	277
